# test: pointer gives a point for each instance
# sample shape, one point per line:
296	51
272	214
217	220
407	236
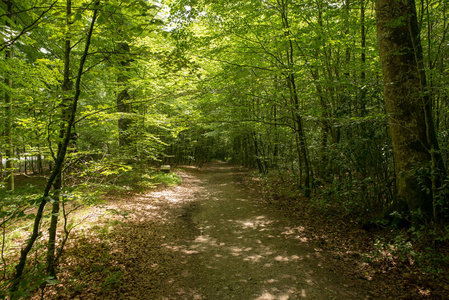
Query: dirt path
237	248
211	238
242	250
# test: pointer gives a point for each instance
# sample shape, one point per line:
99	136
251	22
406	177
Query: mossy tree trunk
415	145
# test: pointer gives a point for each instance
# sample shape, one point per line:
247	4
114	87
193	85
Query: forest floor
214	237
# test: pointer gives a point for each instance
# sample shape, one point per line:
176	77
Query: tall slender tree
67	86
124	106
62	151
8	105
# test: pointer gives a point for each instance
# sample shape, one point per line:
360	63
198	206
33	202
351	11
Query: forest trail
212	238
235	247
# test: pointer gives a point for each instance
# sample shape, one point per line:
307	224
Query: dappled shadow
210	238
245	251
117	254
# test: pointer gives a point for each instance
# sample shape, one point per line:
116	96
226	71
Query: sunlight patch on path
231	246
245	251
281	296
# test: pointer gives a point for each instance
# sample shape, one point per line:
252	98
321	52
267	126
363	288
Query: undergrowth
87	184
421	250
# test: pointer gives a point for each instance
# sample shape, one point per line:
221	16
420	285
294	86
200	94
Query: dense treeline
295	88
299	88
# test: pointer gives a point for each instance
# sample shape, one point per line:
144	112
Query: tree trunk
297	118
25	160
40	166
257	153
408	105
1	163
363	89
124	107
9	149
67	86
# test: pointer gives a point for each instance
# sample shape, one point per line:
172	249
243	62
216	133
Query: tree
8	106
67	86
62	151
124	106
415	145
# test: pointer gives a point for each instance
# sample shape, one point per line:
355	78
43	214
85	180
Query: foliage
168	179
386	253
290	88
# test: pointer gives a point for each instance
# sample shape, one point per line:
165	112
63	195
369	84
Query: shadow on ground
209	238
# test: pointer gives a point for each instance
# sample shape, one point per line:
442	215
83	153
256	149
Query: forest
337	107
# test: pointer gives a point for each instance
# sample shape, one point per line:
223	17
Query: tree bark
408	106
363	89
124	107
9	150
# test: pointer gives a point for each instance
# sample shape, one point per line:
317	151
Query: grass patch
169	179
